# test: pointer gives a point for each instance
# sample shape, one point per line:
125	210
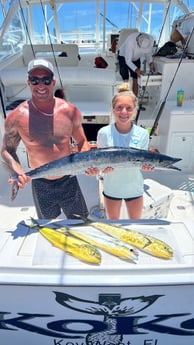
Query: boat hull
71	315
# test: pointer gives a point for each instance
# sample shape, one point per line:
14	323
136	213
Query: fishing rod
172	81
109	21
51	44
149	74
2	104
26	28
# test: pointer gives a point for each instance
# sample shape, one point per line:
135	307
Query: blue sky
77	16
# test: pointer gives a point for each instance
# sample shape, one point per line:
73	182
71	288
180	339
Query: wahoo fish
148	244
109	245
115	157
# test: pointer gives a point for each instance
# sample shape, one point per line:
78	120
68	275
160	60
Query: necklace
40	111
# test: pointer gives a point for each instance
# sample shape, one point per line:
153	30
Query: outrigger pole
145	87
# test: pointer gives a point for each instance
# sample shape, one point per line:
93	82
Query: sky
74	16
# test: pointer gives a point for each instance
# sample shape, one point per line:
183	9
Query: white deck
51	298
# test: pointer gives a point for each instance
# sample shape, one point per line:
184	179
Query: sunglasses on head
45	80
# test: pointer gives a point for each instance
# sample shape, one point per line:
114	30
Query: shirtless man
46	125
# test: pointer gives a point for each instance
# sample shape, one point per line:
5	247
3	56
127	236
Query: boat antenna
172	81
149	74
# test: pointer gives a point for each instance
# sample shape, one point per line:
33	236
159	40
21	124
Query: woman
127	183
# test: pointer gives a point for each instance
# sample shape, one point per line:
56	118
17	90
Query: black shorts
124	68
126	199
52	196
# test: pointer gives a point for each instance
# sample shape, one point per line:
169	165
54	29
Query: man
134	47
46	125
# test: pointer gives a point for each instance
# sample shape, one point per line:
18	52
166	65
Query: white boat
47	296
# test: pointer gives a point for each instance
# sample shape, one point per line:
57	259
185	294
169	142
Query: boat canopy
92	25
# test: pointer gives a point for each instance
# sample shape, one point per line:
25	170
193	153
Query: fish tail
14	176
85	220
14	190
32	223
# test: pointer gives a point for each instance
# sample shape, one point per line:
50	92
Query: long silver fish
116	157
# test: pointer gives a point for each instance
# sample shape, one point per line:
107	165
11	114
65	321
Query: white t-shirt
123	182
132	52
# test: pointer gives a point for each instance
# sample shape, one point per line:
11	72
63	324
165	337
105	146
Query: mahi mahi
110	245
115	157
148	244
62	239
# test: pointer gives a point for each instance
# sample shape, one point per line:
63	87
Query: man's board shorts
52	196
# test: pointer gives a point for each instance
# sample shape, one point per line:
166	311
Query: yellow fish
146	243
71	245
112	246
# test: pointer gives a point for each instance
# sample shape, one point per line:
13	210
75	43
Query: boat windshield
90	24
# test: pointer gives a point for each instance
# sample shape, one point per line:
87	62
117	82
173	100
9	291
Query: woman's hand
22	180
147	167
95	171
92	171
107	170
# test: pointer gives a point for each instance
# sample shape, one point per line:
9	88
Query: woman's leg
135	208
112	208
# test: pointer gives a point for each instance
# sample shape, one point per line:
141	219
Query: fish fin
32	223
85	220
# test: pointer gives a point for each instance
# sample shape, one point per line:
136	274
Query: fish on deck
148	244
110	245
115	157
62	239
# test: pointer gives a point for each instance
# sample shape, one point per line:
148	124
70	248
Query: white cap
40	63
145	41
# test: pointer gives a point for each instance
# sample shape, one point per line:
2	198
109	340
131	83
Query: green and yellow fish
146	243
110	245
60	238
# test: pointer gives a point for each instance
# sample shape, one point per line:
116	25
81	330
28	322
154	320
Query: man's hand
152	67
22	180
139	72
